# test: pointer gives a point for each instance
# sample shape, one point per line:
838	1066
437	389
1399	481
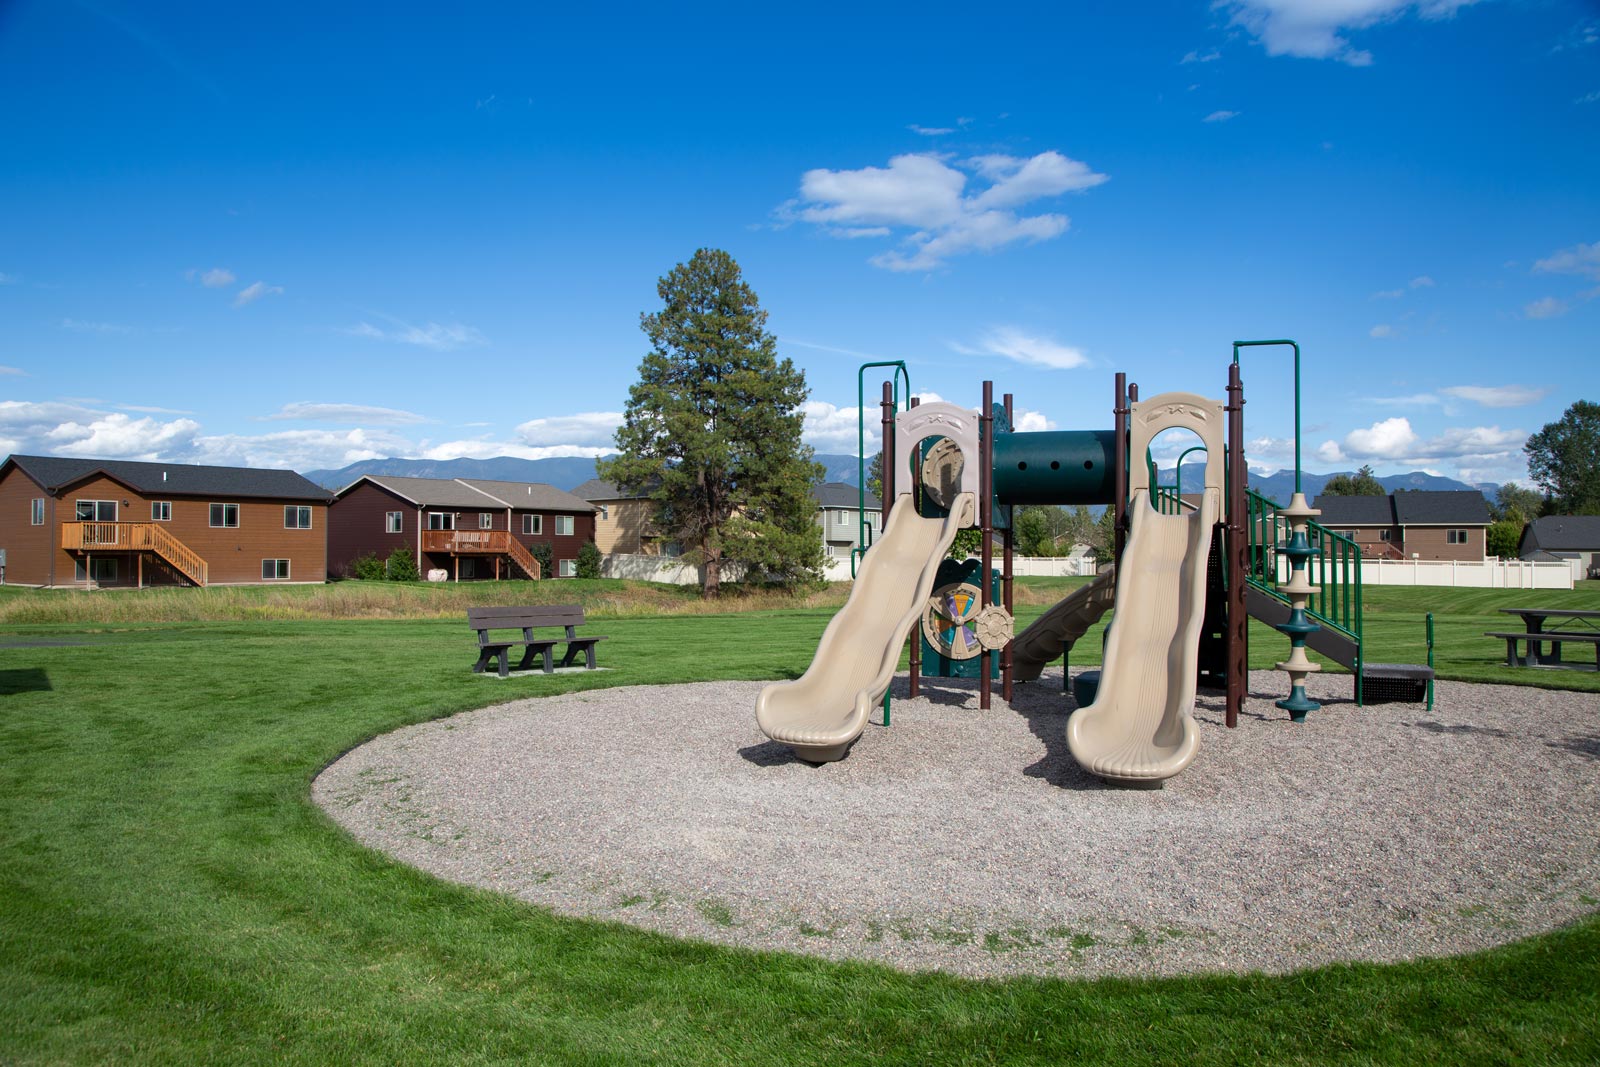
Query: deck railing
135	537
482	542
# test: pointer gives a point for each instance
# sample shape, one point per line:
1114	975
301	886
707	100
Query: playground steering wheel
950	620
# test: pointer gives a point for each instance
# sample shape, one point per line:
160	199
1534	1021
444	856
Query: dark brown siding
27	546
1429	542
561	547
356	526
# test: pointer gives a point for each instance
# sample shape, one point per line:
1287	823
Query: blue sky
302	236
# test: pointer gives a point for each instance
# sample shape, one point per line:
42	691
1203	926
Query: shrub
368	568
589	560
542	552
402	566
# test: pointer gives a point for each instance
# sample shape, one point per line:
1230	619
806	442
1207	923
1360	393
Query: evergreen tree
711	430
1564	458
1512	501
1362	483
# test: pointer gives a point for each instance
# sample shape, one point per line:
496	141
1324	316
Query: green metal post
862	530
1259	344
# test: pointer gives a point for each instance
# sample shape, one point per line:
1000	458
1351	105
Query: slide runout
1062	624
821	713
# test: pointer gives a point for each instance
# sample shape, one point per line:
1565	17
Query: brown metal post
1119	414
1238	634
1006	575
985	490
915	685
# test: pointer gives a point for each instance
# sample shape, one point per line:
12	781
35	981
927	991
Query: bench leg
1511	652
527	660
505	666
589	657
549	663
484	656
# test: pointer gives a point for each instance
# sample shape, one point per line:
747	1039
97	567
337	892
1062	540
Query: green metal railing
1335	566
863	527
1166	500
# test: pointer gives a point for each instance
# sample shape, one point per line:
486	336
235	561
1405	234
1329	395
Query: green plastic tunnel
1055	467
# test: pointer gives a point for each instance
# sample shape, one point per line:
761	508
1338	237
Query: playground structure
1190	570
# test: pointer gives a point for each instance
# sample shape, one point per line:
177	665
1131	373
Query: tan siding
627	529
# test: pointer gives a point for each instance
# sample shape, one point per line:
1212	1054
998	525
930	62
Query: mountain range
565	472
568	472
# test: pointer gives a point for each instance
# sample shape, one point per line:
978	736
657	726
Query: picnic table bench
1534	636
486	621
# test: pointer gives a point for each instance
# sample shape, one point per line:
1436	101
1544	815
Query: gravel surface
971	842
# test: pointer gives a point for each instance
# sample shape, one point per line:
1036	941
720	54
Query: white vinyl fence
1485	574
672	571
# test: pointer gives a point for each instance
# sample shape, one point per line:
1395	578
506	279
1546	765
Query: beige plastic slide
1140	730
821	713
1063	623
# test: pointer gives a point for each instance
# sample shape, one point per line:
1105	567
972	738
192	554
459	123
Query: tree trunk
713	583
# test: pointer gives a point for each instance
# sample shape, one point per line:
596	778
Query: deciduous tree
1362	483
1564	459
711	430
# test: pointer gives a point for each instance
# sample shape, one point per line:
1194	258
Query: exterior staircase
136	537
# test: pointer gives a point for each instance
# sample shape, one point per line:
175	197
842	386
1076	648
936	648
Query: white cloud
1421	281
1394	441
487	449
1220	116
1032	422
927	196
1388	294
300	449
1314	29
1014	344
146	409
119	436
8	279
594	428
255	291
215	278
1197	57
1545	308
362	413
1415	400
1586	98
828	428
437	336
1383	329
1581	259
931	131
16	371
79	326
1497	396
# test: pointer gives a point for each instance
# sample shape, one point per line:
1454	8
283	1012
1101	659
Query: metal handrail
863	528
1335	568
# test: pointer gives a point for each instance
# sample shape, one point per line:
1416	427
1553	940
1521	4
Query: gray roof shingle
477	493
1563	533
174	479
1354	510
1451	507
532	496
842	495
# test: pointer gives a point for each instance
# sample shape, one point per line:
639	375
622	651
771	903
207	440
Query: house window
296	518
485	520
1386	535
533	524
567	568
605	512
441	520
563	525
1455	537
224	514
101	570
467	568
97	510
160	511
274	570
38	511
671	548
394	522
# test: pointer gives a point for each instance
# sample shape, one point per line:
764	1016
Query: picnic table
1571	626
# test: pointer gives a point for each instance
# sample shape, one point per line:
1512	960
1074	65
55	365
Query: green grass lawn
169	894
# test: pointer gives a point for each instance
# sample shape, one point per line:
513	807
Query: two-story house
88	523
469	528
1415	524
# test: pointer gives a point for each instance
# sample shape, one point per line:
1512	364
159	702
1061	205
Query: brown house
468	528
88	523
1416	524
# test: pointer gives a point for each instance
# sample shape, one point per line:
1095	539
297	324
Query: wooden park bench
486	621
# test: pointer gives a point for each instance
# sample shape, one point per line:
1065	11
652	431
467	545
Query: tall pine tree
711	431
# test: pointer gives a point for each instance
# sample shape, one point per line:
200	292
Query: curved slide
1062	624
821	713
1140	728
